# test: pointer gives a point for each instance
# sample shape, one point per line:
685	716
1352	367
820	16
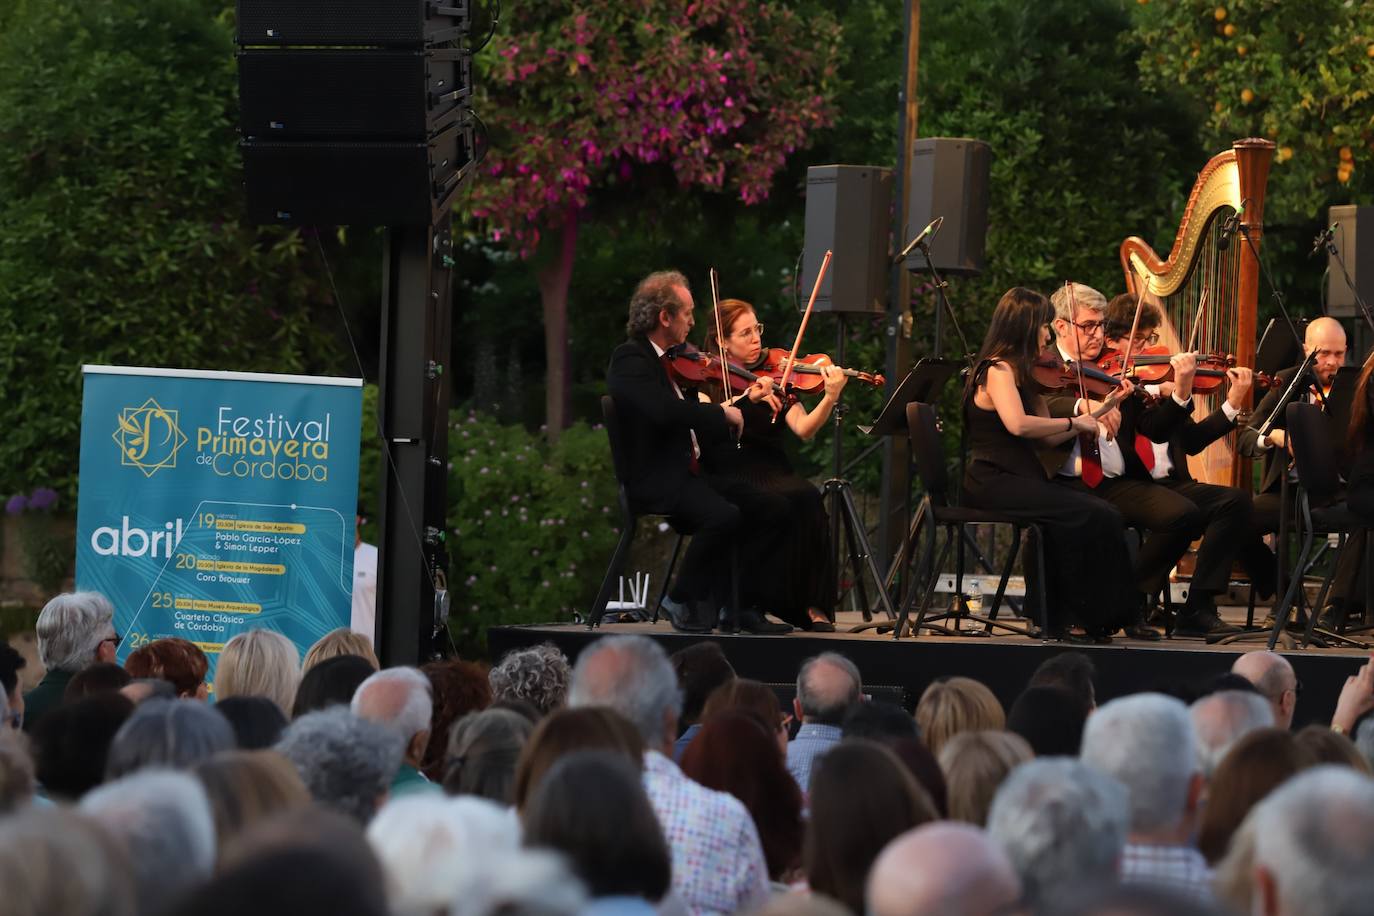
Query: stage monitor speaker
1356	245
356	183
377	23
847	213
311	94
949	178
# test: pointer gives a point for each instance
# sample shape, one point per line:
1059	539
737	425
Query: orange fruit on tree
1219	13
1246	96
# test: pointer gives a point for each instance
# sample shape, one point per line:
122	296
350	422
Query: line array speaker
949	178
380	23
1357	248
847	208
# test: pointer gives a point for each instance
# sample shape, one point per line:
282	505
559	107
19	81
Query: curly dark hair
538	675
459	688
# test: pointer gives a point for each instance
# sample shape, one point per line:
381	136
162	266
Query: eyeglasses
755	331
1087	327
1148	340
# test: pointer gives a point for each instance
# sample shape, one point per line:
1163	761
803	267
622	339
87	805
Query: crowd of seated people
635	782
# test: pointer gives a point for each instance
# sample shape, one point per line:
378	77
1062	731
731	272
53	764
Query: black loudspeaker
377	23
847	213
1357	248
949	178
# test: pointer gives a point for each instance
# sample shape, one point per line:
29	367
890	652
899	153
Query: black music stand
1278	348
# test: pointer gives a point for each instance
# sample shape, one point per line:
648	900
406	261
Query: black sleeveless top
989	440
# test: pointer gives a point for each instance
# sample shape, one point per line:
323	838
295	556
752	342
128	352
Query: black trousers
711	509
1226	516
1347	585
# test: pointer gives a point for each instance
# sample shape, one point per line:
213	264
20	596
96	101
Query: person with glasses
791	572
75	630
1224	513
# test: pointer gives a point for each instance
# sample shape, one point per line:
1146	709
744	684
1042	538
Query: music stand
1278	348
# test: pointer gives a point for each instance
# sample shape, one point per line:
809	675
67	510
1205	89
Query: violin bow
806	317
1135	324
1197	319
1077	344
720	338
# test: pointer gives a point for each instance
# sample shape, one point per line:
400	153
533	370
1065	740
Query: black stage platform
1004	663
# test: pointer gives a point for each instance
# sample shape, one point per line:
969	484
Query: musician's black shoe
1077	639
682	616
754	622
1202	623
727	622
1140	631
817	622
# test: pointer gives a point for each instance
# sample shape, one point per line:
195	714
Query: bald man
1273	677
942	867
1325	339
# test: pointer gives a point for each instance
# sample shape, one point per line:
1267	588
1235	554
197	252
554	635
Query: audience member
591	728
954	705
1109	898
1257	764
827	685
331	682
335	643
878	721
1221	719
862	797
457	688
483	749
246	787
1364	740
1061	823
72	744
1355	701
591	807
95	678
1145	742
942	869
141	689
429	847
1050	719
162	821
1314	840
735	753
167	733
180	662
718	863
701	668
522	708
11	662
16	772
399	698
257	721
1220	683
1071	671
75	630
346	762
975	765
259	663
1232	877
753	698
524	883
55	862
1273	677
1325	746
800	903
538	674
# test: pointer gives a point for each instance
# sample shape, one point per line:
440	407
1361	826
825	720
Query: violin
1054	374
806	370
1151	366
690	366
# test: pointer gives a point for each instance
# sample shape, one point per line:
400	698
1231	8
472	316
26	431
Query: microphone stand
940	287
1269	281
1330	245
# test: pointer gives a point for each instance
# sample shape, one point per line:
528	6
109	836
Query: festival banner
211	503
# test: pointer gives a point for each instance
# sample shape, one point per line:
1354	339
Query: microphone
928	233
1323	240
1229	227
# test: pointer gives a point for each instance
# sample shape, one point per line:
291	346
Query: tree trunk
555	277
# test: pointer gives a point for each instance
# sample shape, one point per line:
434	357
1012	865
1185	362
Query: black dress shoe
1141	631
682	618
821	626
754	622
726	622
1202	623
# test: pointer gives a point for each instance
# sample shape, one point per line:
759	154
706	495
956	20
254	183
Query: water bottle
975	598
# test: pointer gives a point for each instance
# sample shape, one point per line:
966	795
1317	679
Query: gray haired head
632	675
71	628
163	819
167	733
1061	823
827	685
1145	741
1221	719
399	697
346	762
656	292
537	675
1314	837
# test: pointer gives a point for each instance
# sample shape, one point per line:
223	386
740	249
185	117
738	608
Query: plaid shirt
718	864
1178	868
810	745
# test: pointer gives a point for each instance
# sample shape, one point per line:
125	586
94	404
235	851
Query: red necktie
1092	459
1146	450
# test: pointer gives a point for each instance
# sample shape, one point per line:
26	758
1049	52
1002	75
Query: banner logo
149	437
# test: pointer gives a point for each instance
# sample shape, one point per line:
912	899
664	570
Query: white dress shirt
1113	465
659	351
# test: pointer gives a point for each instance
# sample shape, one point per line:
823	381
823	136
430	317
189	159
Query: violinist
1087	569
1222	514
791	573
1168	519
664	431
1360	443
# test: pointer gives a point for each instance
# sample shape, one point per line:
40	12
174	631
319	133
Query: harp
1205	267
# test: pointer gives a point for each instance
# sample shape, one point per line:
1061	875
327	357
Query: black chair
629	522
1319	511
928	453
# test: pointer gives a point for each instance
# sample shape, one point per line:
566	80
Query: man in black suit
1325	338
1223	513
663	430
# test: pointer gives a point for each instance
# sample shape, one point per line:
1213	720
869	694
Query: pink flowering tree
590	105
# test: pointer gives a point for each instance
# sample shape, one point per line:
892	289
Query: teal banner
211	503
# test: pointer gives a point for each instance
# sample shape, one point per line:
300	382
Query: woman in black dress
788	573
1088	578
1360	492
